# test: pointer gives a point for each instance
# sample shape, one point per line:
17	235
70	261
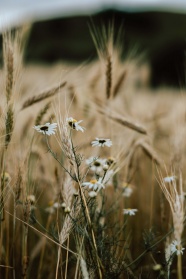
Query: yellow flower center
44	128
72	123
102	141
93	181
110	161
97	164
51	203
126	185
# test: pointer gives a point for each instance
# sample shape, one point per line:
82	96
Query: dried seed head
9	124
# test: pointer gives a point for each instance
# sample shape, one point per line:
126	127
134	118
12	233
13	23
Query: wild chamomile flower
101	142
94	184
127	190
175	246
96	164
74	124
169	179
129	211
48	129
53	206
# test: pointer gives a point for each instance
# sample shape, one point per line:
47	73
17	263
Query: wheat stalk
68	191
150	152
42	96
123	121
9	65
175	197
68	224
108	76
9	125
41	114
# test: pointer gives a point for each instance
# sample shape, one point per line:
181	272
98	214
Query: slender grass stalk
42	234
41	260
100	266
25	252
58	261
25	258
66	261
79	257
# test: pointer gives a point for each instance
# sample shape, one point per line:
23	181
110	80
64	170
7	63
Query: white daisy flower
175	246
74	124
127	189
94	184
129	211
57	205
169	179
96	164
48	129
50	210
101	142
52	207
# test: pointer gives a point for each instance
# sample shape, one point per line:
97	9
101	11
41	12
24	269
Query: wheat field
92	168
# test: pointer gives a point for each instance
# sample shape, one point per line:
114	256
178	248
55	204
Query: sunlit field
92	168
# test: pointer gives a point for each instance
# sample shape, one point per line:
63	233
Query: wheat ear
42	96
123	121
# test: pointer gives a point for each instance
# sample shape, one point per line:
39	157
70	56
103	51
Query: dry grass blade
42	96
123	121
150	152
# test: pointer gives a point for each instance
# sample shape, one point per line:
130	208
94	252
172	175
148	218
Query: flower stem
179	266
55	157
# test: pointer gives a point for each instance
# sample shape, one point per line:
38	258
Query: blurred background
155	30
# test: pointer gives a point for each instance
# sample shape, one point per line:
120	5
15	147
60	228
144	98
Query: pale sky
16	12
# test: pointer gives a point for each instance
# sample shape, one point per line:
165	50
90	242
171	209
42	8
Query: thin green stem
55	157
